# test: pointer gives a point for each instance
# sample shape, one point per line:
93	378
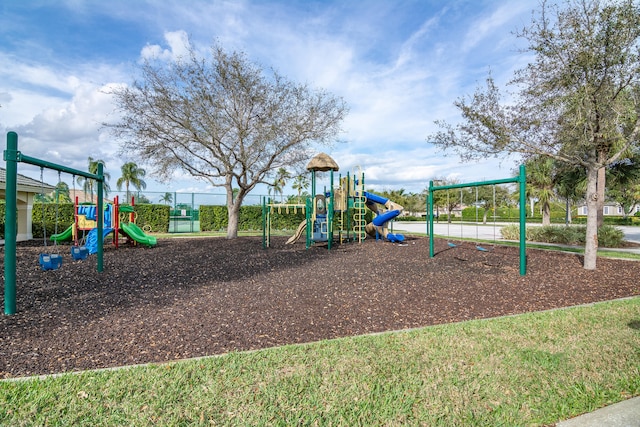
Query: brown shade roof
322	162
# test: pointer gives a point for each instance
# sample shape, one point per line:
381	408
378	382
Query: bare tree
223	119
577	102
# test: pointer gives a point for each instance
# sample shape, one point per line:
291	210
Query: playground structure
338	214
119	220
520	180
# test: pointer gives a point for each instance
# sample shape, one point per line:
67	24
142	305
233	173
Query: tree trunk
533	203
591	243
546	214
233	220
600	186
233	209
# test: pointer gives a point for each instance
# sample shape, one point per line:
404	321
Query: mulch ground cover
195	297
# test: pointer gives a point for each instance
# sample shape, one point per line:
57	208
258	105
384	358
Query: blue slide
92	239
381	219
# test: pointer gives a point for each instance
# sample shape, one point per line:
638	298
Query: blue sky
399	65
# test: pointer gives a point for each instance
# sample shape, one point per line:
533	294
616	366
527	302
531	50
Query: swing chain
57	193
44	224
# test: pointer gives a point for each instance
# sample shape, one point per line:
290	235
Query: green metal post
330	213
11	191
193	208
430	219
264	223
522	179
100	209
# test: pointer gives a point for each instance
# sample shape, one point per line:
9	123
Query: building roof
25	183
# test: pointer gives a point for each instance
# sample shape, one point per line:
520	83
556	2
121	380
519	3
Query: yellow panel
86	224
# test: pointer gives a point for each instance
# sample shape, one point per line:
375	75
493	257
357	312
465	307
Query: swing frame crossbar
521	180
12	157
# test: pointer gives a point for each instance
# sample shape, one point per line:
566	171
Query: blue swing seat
79	253
50	261
451	245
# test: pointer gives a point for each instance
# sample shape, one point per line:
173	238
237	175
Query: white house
27	188
609	209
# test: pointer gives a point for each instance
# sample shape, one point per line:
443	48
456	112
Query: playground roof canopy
322	162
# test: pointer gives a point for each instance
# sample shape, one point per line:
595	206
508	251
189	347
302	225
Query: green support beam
10	156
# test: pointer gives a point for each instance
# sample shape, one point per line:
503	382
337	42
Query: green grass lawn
530	369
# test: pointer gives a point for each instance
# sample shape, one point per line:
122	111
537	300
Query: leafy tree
577	101
131	175
415	203
223	119
89	185
140	199
447	199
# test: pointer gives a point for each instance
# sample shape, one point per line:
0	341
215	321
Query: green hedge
65	218
608	220
156	216
153	217
608	236
215	218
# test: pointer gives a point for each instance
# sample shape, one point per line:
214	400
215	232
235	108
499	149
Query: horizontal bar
43	163
477	184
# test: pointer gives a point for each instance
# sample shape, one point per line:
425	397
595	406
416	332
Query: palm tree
87	184
571	185
167	198
61	193
131	175
541	184
300	183
281	180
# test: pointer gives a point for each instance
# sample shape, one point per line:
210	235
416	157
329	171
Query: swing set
12	157
520	180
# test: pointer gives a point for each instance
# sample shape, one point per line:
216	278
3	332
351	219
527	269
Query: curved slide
379	223
92	239
299	231
64	236
134	232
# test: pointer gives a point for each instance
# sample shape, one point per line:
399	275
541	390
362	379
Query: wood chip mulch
195	297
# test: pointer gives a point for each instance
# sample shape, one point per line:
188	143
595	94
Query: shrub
608	236
155	217
65	217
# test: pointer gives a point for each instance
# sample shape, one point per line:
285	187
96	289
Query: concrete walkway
623	414
491	232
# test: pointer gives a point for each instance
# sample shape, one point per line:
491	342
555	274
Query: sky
398	64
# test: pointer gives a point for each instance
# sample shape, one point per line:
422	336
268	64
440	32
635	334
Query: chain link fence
185	207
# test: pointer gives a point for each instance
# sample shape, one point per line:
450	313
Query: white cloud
178	42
